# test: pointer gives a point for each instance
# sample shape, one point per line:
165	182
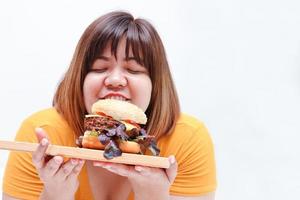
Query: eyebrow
103	58
125	59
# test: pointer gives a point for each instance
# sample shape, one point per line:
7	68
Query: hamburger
117	126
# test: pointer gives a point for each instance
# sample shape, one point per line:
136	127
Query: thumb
40	134
172	170
44	140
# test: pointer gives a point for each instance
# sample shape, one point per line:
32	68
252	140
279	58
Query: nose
115	79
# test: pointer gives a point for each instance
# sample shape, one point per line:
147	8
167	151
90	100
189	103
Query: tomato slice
132	123
103	114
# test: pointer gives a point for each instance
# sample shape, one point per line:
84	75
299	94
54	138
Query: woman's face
113	77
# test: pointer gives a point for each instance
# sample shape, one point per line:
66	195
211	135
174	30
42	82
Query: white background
235	64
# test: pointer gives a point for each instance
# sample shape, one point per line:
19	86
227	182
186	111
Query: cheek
142	93
91	88
147	93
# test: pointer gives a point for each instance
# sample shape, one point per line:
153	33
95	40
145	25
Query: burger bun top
120	110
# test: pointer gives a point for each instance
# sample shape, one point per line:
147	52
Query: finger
40	134
145	171
38	156
66	169
52	166
120	169
172	170
98	163
76	170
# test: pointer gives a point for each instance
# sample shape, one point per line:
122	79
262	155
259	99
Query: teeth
116	98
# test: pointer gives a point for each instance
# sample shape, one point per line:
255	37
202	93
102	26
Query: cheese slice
128	126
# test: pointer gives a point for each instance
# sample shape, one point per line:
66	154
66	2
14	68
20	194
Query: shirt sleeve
20	178
196	173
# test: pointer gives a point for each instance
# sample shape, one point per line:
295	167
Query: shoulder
51	121
44	117
189	121
190	134
189	127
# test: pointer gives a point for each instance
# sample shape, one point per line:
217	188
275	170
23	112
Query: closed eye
98	70
132	71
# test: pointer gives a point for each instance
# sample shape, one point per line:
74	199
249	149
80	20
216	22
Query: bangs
138	40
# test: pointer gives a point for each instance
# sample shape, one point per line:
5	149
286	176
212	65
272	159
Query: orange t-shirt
190	143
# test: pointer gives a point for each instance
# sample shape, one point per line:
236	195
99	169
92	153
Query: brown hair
163	110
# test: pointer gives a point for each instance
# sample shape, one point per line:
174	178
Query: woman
117	57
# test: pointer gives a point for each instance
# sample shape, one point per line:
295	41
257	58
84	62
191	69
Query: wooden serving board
88	154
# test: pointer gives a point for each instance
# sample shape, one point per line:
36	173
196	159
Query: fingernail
172	159
44	142
138	168
74	161
58	160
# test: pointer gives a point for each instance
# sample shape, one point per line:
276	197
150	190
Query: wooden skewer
88	154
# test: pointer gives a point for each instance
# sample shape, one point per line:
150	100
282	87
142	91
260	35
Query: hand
145	181
60	179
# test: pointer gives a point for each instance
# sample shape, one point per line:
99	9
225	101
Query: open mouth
116	97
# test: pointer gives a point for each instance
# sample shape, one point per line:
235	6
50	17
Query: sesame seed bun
120	110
